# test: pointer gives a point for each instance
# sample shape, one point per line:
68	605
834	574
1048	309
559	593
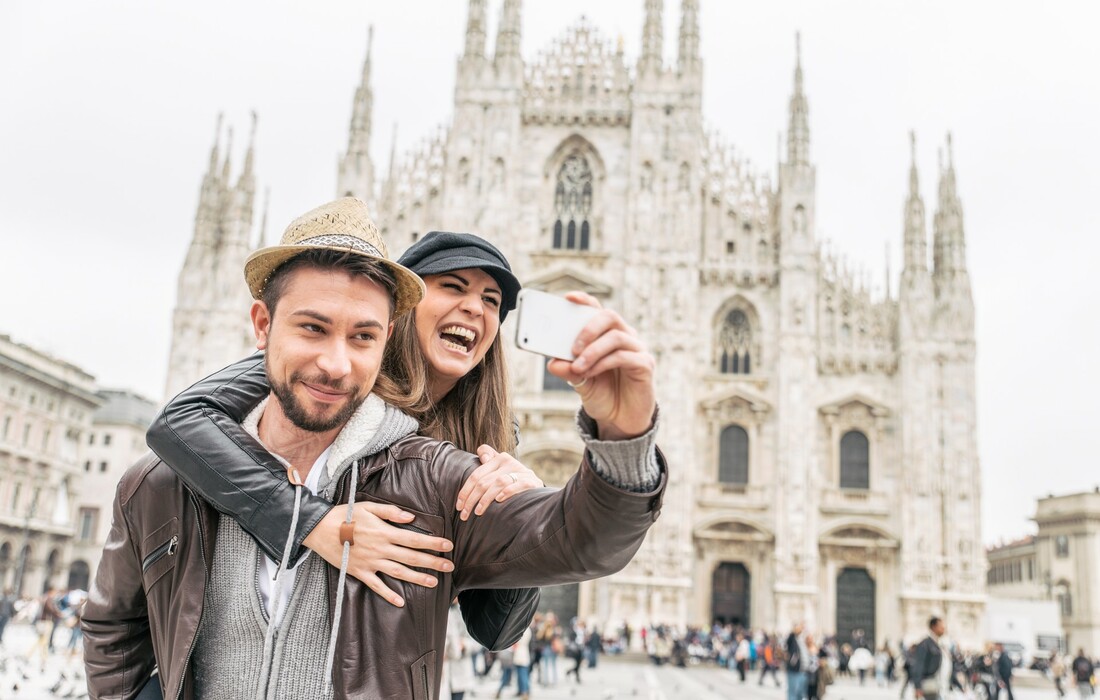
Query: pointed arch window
855	461
733	456
573	204
735	344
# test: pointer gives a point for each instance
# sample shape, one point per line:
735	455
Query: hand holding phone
613	372
548	324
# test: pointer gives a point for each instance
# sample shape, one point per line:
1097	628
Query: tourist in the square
326	298
1003	668
770	661
1083	672
7	610
799	663
1058	673
929	671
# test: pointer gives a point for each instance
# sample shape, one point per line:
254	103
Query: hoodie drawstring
348	518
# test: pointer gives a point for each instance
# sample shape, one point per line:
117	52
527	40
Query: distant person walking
1083	672
928	663
798	664
1004	671
7	610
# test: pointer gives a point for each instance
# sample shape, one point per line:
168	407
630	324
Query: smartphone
548	324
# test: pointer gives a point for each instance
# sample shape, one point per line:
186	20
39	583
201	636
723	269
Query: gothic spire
652	38
916	245
249	154
689	36
355	175
228	154
475	30
507	52
950	241
359	134
798	132
393	150
212	170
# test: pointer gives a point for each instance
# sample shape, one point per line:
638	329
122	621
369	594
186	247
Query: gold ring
578	384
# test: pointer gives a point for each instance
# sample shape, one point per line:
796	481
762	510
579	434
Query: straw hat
344	225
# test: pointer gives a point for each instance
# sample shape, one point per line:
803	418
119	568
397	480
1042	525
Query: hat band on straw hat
340	240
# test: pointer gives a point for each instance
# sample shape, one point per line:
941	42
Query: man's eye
311	327
366	337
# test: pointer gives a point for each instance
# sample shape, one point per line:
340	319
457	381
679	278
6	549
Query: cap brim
498	272
260	265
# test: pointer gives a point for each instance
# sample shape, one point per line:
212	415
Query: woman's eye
492	301
452	285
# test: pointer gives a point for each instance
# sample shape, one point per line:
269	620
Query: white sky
107	114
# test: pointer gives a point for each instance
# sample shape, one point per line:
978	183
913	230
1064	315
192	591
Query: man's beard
297	413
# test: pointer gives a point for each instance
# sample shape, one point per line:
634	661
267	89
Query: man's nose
335	361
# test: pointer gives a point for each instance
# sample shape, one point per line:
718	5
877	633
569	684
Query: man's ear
261	323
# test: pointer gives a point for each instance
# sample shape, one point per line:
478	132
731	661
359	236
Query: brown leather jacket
144	608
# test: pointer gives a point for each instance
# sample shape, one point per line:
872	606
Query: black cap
441	251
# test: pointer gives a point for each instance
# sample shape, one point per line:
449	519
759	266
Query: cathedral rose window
573	204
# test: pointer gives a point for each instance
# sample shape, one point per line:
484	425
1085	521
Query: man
928	663
1004	671
7	610
188	592
799	664
1082	674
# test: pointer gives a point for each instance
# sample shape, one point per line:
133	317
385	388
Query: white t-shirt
271	568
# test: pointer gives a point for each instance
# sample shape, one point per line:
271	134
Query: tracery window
573	204
735	344
855	460
733	456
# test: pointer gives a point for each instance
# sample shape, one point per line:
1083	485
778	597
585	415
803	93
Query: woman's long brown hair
475	412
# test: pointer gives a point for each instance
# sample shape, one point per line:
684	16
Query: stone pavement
63	677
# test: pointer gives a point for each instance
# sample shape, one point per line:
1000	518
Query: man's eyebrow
308	313
314	315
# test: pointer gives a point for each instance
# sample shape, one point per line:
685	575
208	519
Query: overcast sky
107	114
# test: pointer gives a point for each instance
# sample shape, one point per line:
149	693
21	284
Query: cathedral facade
821	439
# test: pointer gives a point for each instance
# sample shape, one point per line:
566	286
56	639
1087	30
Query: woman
447	358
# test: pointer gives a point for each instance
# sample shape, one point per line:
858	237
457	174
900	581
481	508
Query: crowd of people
53	610
928	669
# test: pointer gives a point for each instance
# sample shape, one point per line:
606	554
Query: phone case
548	324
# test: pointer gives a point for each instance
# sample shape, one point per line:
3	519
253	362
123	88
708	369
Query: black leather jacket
198	434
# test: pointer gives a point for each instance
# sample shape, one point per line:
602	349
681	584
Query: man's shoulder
417	447
149	472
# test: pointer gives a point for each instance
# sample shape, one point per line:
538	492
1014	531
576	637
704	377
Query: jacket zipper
424	677
412	528
202	604
168	548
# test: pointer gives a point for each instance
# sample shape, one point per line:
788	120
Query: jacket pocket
422	523
158	552
423	675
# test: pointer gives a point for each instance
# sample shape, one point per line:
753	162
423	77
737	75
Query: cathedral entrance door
730	594
560	600
855	607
